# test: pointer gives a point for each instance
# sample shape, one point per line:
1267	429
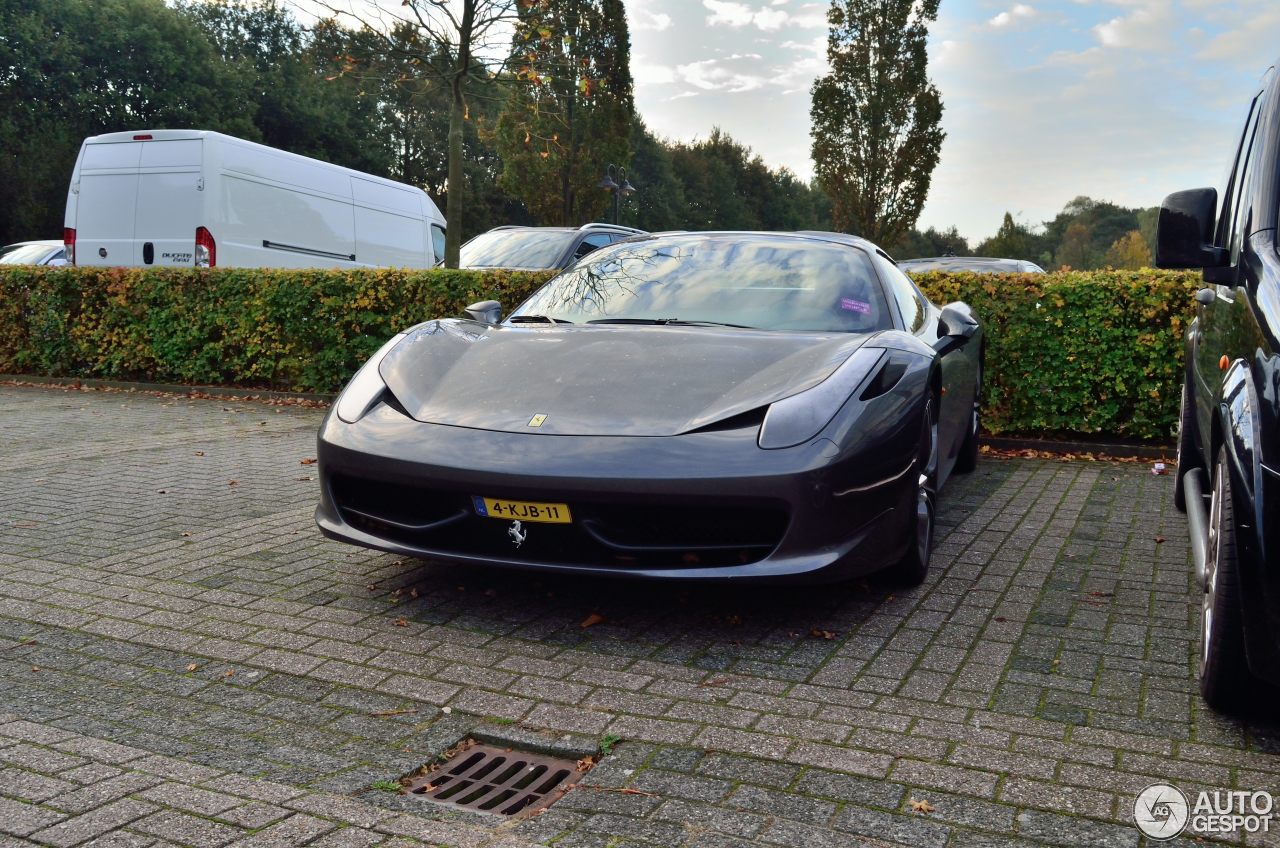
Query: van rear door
107	195
169	202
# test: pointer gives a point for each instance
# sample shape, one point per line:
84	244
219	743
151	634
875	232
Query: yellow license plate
543	513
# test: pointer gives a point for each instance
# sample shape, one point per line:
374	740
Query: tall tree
1076	250
572	116
1129	252
459	42
74	68
282	67
1014	240
877	117
932	242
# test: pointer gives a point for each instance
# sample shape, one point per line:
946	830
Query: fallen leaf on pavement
231	672
400	622
233	483
921	806
1159	540
310	461
829	635
199	453
591	620
586	763
192	667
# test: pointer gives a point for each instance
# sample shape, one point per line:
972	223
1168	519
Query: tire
1187	457
1224	674
967	460
913	568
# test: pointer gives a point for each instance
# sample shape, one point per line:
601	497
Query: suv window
911	303
595	241
1227	224
1240	202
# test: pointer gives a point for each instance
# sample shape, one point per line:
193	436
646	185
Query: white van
196	198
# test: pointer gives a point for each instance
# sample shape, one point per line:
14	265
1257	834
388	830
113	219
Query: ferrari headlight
797	419
365	386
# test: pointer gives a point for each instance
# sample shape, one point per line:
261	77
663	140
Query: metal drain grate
498	780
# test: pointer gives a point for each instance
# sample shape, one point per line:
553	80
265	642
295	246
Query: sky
1119	100
1044	100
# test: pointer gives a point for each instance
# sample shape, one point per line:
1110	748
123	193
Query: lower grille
636	534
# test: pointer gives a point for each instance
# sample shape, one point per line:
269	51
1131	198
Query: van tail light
69	244
206	249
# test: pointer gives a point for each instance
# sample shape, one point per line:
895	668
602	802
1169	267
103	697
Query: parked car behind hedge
45	252
979	264
1229	425
539	248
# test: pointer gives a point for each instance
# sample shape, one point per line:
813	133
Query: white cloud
1249	41
644	20
737	15
724	12
1019	13
650	73
716	75
1148	27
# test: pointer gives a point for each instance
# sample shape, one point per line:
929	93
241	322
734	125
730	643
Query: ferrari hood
601	380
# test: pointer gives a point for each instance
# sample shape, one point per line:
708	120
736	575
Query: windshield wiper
537	319
678	321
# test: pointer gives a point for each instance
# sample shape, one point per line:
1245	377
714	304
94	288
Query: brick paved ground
183	659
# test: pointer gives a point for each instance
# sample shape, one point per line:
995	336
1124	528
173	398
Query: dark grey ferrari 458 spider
751	406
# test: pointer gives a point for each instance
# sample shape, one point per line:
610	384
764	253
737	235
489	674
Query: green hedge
1079	353
298	330
1075	353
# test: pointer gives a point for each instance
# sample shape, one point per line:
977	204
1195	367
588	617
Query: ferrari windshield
739	280
531	248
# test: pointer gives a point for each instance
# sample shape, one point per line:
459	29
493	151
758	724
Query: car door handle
1205	296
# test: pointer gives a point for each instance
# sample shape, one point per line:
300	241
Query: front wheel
912	569
1223	672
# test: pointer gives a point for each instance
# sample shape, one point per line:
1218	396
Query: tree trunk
453	206
457	117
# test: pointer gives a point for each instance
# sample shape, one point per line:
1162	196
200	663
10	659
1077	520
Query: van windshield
532	249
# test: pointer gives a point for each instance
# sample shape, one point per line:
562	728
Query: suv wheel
1223	673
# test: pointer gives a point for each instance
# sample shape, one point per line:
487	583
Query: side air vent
891	371
750	418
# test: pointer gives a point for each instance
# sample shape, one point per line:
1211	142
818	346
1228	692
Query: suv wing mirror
1184	231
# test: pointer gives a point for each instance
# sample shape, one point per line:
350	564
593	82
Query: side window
1240	198
595	241
1232	190
437	241
910	301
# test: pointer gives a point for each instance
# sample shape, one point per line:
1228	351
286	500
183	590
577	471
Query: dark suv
1229	431
539	248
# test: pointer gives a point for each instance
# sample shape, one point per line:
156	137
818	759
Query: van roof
176	135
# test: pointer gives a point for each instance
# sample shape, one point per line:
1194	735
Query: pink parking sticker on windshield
855	305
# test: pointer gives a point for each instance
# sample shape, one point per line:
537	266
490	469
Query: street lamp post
618	187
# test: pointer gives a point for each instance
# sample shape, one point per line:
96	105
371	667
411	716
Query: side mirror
956	326
1184	231
486	311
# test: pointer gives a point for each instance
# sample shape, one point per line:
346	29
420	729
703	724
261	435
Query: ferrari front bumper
705	506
